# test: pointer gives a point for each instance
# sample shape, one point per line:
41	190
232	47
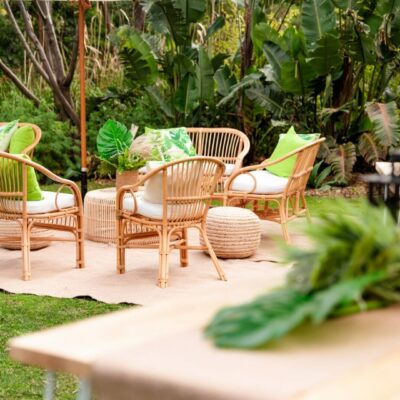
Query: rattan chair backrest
226	144
188	187
305	158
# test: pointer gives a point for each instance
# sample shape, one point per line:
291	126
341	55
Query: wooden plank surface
74	347
350	358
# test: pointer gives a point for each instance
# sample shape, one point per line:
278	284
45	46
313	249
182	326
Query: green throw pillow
14	168
22	138
287	143
174	143
306	136
6	133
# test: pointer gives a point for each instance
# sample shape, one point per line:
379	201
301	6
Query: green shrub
57	150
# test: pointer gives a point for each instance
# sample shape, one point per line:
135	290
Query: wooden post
83	6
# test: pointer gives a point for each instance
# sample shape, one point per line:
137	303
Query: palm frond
342	160
385	122
370	149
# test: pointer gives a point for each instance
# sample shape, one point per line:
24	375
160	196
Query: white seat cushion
229	169
264	182
47	204
148	209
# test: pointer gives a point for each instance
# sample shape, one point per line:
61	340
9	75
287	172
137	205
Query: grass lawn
20	314
324	204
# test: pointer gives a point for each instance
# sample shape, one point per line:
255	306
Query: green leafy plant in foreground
352	266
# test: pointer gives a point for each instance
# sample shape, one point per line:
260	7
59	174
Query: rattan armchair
38	134
57	211
187	189
287	195
226	144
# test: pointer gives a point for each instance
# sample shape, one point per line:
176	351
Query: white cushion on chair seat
264	181
148	209
229	169
47	204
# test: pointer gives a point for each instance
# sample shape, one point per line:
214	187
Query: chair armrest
267	163
256	167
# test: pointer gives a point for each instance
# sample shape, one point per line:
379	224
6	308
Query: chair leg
163	267
308	216
25	248
212	254
283	217
80	243
184	252
120	247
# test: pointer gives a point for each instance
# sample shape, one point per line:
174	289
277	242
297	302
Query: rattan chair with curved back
186	191
38	134
289	199
226	144
57	211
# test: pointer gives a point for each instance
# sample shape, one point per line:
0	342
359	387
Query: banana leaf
317	18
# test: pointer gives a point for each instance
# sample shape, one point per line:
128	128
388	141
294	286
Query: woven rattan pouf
233	232
100	223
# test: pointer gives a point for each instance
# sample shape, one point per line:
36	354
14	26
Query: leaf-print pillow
175	143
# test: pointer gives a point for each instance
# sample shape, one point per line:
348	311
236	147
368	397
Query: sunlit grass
21	314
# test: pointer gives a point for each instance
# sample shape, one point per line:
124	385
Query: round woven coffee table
100	221
233	232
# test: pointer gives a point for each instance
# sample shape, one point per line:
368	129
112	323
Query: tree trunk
246	52
138	15
48	62
107	18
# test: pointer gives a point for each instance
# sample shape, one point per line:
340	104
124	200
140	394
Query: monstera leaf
385	123
317	18
113	139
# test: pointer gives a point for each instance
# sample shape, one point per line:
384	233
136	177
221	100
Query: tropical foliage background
328	66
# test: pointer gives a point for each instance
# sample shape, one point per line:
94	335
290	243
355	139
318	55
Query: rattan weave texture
100	219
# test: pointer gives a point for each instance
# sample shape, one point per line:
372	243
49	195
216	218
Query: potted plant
115	144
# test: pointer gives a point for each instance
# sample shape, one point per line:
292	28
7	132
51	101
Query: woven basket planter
13	228
233	232
126	178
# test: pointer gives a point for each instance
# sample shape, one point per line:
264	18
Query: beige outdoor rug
53	272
